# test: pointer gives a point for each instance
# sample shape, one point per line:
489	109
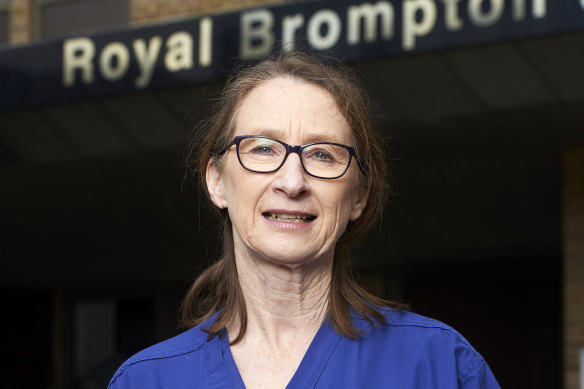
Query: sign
203	49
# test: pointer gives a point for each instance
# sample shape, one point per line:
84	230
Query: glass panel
3	26
61	17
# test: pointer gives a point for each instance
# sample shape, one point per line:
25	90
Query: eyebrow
312	138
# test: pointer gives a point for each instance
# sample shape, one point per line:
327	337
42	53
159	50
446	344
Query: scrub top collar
223	372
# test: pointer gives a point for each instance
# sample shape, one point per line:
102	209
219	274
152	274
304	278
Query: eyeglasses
261	154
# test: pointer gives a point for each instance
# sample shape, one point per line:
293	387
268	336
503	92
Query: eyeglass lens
320	159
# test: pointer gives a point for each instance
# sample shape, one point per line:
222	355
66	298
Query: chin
288	258
292	256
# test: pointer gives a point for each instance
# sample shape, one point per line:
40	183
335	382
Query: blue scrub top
410	351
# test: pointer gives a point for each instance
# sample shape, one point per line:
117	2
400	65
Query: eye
263	149
320	155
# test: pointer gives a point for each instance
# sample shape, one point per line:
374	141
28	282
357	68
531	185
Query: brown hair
217	288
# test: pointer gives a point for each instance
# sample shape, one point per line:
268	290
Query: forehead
292	110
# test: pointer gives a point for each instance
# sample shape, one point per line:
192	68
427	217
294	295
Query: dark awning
201	49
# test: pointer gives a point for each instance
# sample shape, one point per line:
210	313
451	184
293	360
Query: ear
215	185
359	205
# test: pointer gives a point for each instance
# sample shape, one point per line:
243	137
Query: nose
291	177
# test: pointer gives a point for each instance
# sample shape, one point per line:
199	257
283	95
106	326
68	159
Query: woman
292	165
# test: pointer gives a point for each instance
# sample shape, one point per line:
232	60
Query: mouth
289	217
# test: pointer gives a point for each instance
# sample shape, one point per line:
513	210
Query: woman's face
260	204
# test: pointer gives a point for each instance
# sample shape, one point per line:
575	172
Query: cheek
243	196
341	206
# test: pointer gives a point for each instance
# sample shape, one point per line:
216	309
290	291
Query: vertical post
573	272
62	339
582	368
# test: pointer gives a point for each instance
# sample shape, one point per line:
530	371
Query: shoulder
417	338
415	322
187	342
155	361
407	321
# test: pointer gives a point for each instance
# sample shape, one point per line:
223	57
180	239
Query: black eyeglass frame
293	149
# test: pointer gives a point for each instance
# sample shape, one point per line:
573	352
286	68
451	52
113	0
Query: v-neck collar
223	372
317	356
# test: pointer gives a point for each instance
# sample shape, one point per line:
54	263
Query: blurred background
482	103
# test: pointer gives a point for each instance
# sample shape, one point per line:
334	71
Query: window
4	21
55	18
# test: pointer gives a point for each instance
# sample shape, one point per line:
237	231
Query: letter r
78	53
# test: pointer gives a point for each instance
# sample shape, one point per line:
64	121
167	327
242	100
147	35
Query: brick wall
20	27
573	264
141	12
145	11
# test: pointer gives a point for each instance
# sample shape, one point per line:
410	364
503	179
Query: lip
288	219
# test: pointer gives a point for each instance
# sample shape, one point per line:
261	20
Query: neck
283	302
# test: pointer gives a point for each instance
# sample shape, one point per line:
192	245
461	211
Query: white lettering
78	54
518	9
114	71
486	19
256	35
290	25
367	22
147	57
451	16
205	42
413	28
370	14
538	9
179	54
332	22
